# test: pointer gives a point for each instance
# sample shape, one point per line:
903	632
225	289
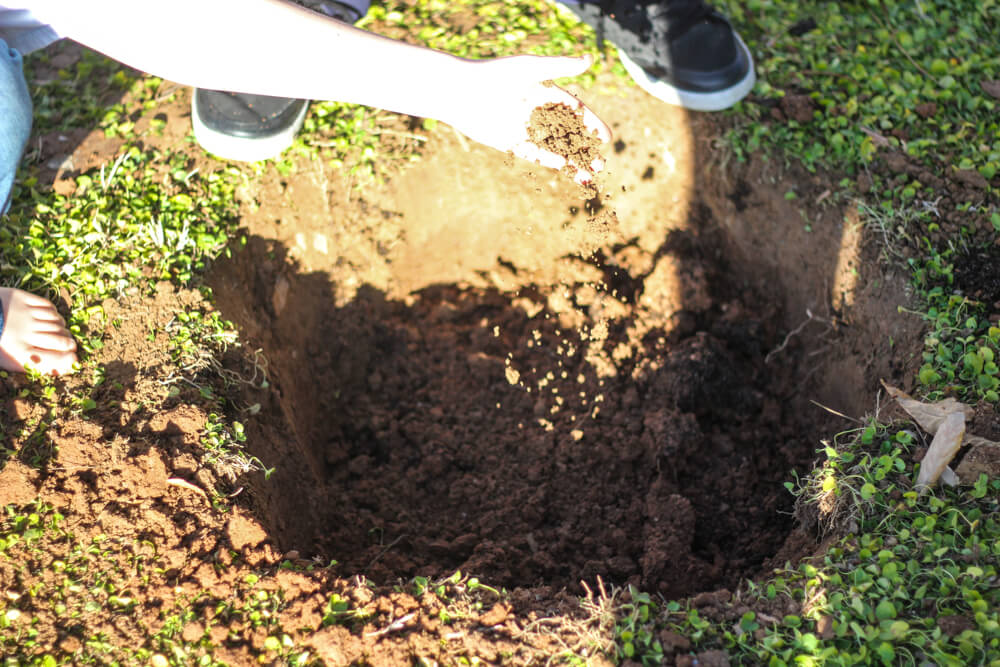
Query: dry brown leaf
877	138
928	415
949	477
991	88
945	445
983	455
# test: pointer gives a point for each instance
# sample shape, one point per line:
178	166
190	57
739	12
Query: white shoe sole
243	149
717	101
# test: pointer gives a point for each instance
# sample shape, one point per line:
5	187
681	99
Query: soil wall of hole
457	387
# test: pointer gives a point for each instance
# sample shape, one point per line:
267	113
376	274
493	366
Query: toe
46	313
49	362
58	341
34	300
34	335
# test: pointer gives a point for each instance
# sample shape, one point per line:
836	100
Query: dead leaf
877	138
928	415
945	445
991	88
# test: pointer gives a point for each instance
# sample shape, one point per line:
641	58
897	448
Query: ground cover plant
367	405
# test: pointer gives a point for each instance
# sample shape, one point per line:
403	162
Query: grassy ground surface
899	100
878	78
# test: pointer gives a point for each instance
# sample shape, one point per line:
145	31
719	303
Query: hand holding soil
561	129
498	113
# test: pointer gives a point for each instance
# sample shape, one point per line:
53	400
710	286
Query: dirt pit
468	376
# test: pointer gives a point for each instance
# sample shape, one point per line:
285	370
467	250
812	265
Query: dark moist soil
477	438
464	374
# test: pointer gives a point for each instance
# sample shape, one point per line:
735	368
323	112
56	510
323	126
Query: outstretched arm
273	47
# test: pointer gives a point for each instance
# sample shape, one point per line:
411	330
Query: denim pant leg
15	119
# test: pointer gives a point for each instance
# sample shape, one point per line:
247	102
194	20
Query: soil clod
560	129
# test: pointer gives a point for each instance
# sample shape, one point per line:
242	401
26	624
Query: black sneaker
248	128
341	11
243	127
681	51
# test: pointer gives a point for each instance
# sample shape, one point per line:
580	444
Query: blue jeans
15	119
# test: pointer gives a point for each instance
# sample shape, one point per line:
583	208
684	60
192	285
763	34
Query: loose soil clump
559	128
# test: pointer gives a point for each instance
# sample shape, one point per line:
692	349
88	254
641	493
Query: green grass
881	591
79	583
960	352
144	218
500	28
869	67
78	95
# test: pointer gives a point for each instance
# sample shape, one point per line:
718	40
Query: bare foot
34	335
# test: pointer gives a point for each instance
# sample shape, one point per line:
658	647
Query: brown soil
467	374
560	129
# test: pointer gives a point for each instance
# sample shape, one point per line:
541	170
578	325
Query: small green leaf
898	629
809	642
886	652
885	610
928	376
939	67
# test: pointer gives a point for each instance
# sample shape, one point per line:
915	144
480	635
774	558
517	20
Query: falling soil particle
558	128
